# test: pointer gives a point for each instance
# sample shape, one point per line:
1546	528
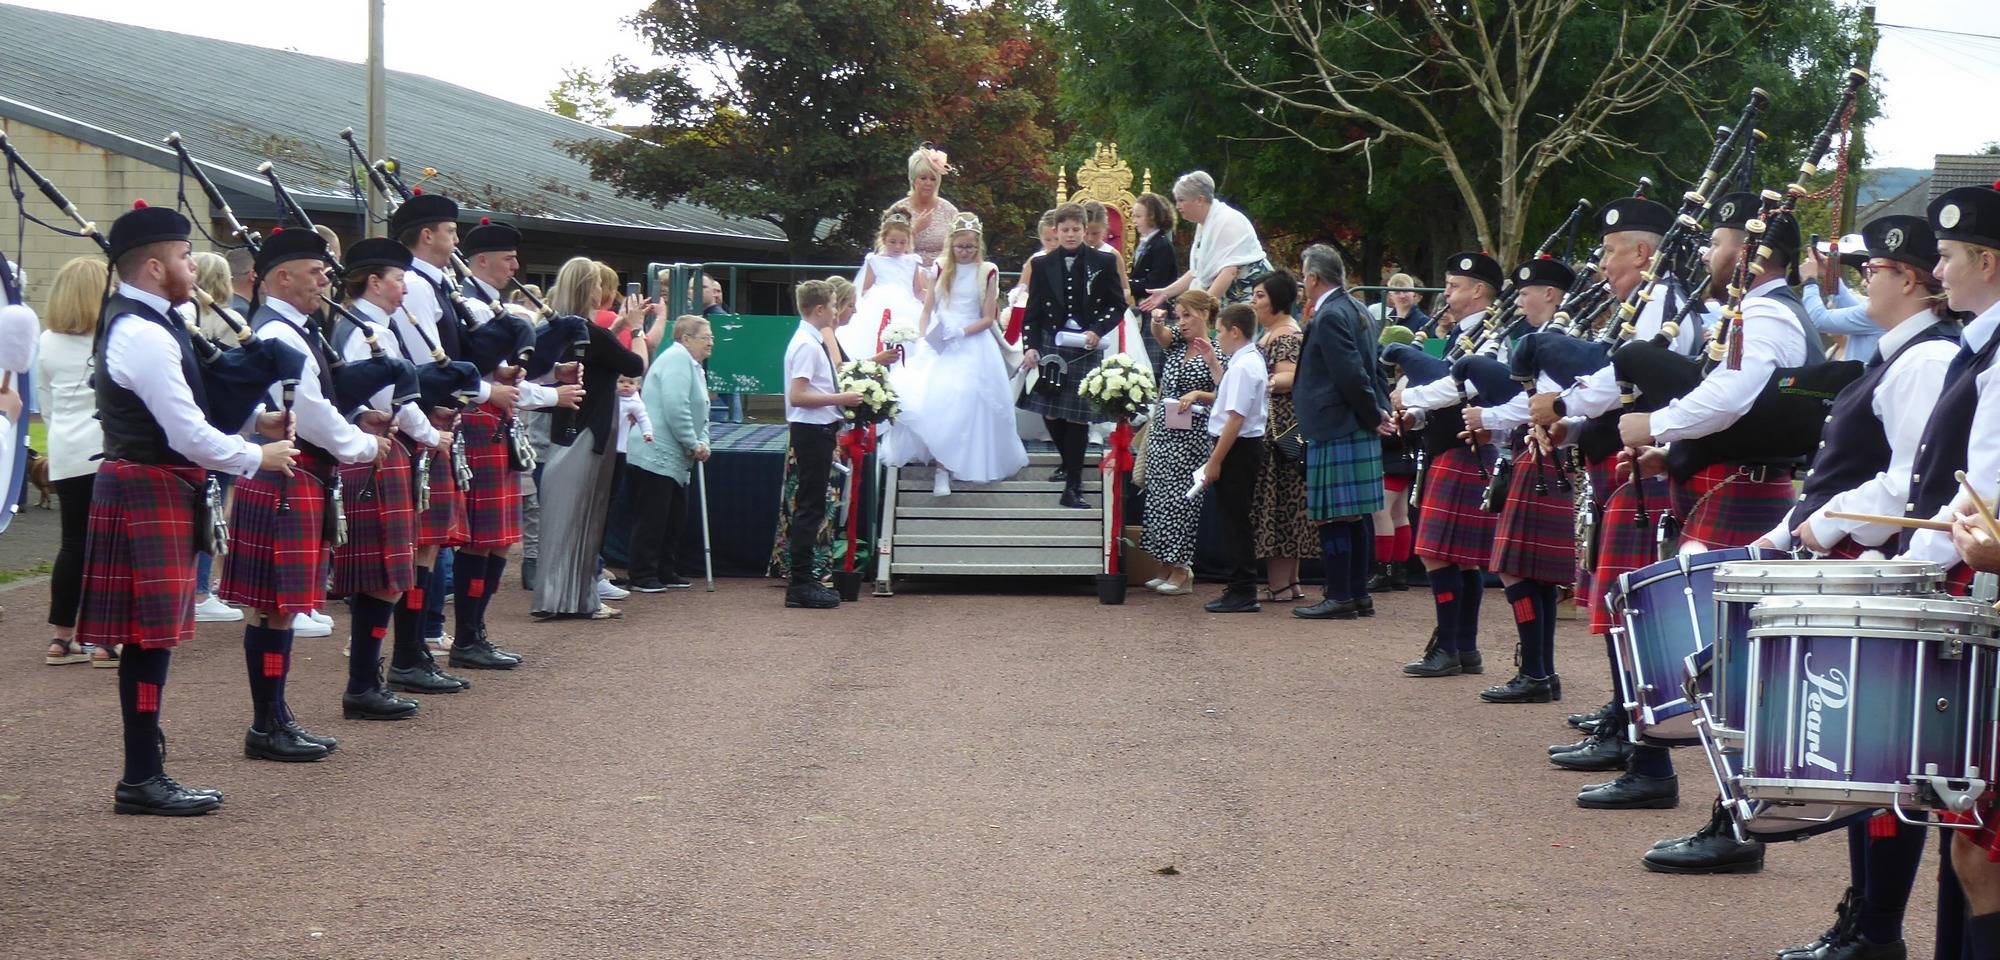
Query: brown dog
38	474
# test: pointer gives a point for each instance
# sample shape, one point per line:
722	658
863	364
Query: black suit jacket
604	361
1092	292
1338	390
1155	265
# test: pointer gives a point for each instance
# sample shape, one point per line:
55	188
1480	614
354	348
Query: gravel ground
941	774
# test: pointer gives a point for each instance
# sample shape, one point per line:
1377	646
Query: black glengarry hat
1627	214
144	224
378	252
422	210
1477	266
1736	210
1904	239
1967	215
1544	272
489	237
284	246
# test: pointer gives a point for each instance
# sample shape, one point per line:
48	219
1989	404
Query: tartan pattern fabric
1067	405
1344	477
277	561
1623	545
148	697
1958	580
1536	536
1728	510
443	525
493	505
1452	527
381	529
138	560
749	437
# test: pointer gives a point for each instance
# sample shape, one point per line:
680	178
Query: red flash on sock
1524	610
476	588
274	666
414	599
378	632
1882	826
1445	598
149	697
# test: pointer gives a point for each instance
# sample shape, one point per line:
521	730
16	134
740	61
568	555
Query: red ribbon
1116	463
858	442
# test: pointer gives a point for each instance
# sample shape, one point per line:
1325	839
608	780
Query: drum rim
1903	789
1816	571
1686	563
1930	609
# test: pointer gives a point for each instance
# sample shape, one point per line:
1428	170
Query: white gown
892	288
965	416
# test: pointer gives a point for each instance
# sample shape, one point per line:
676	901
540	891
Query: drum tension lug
1954	649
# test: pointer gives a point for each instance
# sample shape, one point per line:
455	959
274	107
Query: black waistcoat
1854	446
313	343
1947	440
130	430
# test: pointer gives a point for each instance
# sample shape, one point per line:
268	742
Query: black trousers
1233	495
657	505
66	586
1071	440
812	448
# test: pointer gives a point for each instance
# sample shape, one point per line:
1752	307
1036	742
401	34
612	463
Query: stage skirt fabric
277	558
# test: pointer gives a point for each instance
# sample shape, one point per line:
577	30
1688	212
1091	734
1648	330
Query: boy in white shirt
1236	420
813	408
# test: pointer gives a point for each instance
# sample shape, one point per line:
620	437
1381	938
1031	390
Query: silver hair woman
1226	259
930	215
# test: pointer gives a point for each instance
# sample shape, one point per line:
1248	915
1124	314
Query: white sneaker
213	610
941	483
606	590
305	626
438	644
320	618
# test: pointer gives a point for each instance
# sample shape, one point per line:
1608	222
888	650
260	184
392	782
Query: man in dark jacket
1341	402
1077	299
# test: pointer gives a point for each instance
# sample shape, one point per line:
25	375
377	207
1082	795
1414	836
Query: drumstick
1911	523
1979	504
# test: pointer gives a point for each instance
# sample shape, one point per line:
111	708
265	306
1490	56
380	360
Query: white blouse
68	404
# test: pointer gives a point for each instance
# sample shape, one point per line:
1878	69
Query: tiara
897	217
967	221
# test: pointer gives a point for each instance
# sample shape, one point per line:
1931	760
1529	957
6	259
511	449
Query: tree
581	96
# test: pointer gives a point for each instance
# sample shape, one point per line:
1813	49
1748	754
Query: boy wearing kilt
1075	300
1535	547
1341	403
276	562
427	226
377	567
1454	530
139	558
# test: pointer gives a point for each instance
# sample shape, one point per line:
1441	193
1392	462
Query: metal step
999	569
910	500
907	513
922	486
1089	527
957	537
957	555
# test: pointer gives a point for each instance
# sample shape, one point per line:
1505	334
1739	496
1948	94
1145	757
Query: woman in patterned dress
1178	444
930	215
1279	504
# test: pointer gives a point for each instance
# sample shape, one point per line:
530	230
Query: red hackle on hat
485	221
418	192
139	204
277	230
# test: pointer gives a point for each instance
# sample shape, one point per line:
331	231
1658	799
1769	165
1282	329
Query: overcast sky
1934	85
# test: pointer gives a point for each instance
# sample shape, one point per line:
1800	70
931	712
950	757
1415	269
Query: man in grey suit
1342	404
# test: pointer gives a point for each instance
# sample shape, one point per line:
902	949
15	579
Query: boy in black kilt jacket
158	445
1075	300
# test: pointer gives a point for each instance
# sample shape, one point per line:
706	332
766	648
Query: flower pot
1111	588
847	583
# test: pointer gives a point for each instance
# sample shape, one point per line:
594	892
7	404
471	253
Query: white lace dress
966	412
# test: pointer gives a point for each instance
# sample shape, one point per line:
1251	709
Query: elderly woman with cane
657	471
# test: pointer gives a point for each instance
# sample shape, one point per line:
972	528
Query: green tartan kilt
1344	477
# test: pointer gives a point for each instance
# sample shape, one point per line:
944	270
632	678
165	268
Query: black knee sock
468	588
1361	553
496	565
408	619
1528	623
1445	589
1548	601
1891	870
1336	554
142	679
265	657
364	640
1472	587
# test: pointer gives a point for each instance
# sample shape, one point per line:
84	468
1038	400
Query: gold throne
1106	179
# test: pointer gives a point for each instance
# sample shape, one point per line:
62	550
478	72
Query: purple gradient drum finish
1740	586
1770	821
1870	702
1668	614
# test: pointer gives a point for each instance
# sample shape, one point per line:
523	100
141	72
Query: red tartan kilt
381	529
443	525
1452	527
1536	538
493	505
1603	477
1622	544
277	561
1730	511
138	560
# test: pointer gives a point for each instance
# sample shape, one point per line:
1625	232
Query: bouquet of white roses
899	333
1119	387
871	381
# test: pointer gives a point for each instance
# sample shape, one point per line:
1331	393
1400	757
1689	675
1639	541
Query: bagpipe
16	475
1562	349
1503	321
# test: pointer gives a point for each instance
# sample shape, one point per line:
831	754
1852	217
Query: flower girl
893	283
965	409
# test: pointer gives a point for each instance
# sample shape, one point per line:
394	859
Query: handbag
1290	448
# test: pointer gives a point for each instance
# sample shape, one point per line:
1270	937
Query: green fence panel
750	353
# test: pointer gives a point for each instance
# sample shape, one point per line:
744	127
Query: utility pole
1857	148
378	136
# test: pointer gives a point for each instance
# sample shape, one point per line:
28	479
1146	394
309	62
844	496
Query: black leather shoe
1471	661
1589	721
811	596
474	655
1059	476
1234	603
1855	947
1712	849
1844	914
482	641
1633	792
1328	609
1601	751
292	727
1364	605
423	678
160	796
1074	500
1521	689
1436	663
279	744
1555	748
1556	687
1388	578
377	704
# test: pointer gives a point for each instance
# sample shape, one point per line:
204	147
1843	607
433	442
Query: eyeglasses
1873	267
704	338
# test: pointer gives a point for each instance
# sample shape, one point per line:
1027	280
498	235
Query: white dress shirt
1903	402
1598	393
806	359
143	357
533	396
1772	338
68	404
1982	461
1245	390
313	414
1505	418
1444	391
410	418
422	311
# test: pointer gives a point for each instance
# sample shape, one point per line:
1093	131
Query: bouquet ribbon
858	443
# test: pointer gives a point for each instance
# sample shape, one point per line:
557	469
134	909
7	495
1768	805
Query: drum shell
1667	609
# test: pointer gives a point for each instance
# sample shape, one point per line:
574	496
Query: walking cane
707	548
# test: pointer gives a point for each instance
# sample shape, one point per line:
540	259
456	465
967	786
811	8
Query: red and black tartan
1728	510
443	525
1536	537
1958	580
1603	476
1453	528
381	527
493	505
138	563
277	561
1623	544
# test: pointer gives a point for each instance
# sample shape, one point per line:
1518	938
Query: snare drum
1768	821
1668	614
1741	586
1870	702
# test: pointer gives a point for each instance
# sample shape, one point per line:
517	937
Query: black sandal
72	652
1271	594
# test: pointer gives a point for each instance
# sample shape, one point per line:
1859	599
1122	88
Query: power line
1955	33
